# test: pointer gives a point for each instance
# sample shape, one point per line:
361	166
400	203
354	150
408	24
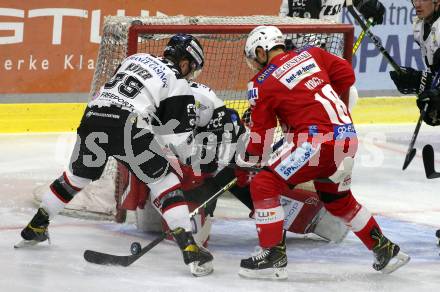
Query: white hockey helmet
265	36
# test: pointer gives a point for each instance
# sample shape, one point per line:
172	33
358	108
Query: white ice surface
407	204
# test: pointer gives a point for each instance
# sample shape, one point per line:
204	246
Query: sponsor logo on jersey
266	216
299	73
313	130
154	65
266	73
291	210
291	63
341	132
252	95
297	159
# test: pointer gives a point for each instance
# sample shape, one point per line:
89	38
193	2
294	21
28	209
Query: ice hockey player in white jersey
424	83
331	9
145	112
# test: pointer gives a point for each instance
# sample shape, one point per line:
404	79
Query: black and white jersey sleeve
151	87
427	38
317	9
217	131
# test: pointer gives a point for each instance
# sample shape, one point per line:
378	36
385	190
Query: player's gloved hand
244	176
407	81
431	98
370	9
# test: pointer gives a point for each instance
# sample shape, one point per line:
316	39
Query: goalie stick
101	258
428	162
375	39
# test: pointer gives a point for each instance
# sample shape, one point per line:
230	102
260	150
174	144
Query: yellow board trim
65	117
40	117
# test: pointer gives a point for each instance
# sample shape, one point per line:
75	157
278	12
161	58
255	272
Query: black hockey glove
409	81
432	98
370	9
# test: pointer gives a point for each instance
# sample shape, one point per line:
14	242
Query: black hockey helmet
185	46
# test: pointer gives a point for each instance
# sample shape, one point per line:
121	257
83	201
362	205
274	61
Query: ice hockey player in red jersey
300	90
143	113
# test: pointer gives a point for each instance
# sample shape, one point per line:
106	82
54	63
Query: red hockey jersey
301	90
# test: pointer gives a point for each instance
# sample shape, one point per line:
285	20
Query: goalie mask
184	46
266	37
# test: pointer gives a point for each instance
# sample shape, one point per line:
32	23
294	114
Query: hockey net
225	71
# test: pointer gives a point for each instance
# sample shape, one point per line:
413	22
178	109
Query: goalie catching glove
370	9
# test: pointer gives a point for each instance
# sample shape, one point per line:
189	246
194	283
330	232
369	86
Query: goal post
225	70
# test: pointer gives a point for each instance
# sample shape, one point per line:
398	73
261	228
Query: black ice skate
270	263
388	256
437	233
198	259
36	231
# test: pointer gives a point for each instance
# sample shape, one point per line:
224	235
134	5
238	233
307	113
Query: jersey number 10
330	101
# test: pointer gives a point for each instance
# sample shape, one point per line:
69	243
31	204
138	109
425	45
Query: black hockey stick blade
408	158
411	150
100	258
428	162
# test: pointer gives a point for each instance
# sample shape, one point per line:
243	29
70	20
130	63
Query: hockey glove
432	98
370	9
408	81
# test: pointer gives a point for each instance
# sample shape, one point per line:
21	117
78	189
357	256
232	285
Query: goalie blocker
304	212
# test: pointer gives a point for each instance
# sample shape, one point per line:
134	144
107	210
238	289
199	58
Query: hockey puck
135	248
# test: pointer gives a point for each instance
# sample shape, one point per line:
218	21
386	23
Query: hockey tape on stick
361	37
375	39
213	197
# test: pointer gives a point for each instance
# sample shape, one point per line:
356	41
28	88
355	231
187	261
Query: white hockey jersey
206	103
151	87
430	44
318	9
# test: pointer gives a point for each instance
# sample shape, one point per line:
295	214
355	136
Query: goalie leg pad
357	218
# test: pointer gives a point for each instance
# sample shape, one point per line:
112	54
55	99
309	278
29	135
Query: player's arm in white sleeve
284	8
210	119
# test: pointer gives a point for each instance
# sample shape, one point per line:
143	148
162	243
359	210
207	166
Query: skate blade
396	262
201	270
28	243
270	274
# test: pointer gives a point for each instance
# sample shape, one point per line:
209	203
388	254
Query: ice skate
36	231
269	263
198	259
388	256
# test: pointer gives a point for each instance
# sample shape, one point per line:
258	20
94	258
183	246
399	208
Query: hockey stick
101	258
411	152
428	162
361	37
213	197
375	40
